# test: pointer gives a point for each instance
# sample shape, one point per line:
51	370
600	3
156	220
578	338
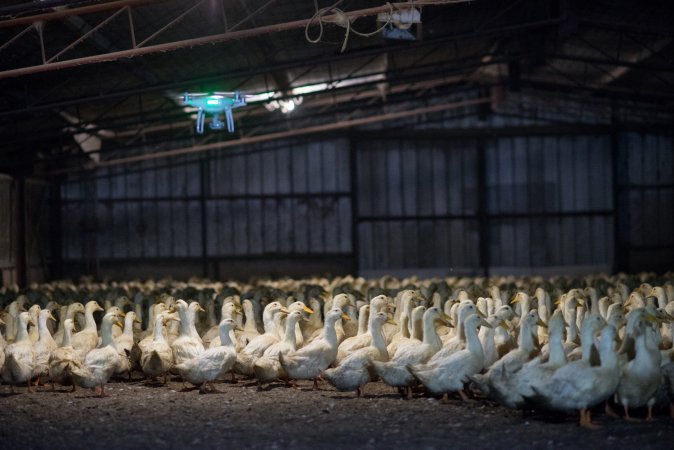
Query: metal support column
20	230
353	174
55	231
620	208
203	174
482	204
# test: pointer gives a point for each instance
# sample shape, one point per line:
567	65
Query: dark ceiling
111	70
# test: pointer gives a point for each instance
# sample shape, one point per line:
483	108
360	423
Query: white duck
641	376
353	343
580	385
124	343
537	371
210	364
71	310
19	356
250	330
188	344
458	340
14	309
497	381
229	310
488	337
271	317
157	357
100	363
308	362
63	359
87	339
44	346
315	322
34	312
414	334
451	374
296	306
354	372
395	373
267	368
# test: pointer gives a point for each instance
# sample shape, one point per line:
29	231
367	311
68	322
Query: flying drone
215	103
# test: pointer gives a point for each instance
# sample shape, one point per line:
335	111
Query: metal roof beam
219	38
288	133
402	47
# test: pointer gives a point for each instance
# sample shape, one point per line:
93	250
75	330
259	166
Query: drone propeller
235	94
189	95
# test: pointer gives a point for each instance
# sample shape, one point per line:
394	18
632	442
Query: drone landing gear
200	121
230	120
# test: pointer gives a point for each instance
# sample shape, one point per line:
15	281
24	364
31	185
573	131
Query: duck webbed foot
649	416
464	396
101	391
586	420
609	411
628	417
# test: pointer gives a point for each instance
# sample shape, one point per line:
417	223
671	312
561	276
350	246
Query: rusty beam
67	12
212	39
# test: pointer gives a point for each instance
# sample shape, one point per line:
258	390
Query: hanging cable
340	18
332	14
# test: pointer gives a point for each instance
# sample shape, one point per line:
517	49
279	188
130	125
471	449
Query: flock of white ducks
559	344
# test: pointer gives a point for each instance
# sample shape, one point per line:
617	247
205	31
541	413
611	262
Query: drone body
216	103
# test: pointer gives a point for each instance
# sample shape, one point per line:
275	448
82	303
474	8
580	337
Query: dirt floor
136	415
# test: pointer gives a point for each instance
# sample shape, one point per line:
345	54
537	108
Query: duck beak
237	328
481	314
307	309
119	324
2	322
136	320
345	317
200	308
391	321
484	323
50	316
284	310
446	319
540	323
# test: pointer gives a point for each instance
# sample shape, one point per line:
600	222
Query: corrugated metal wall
417	204
646	200
549	201
268	200
501	203
544	201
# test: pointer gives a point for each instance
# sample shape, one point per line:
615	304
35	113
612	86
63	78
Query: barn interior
476	142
